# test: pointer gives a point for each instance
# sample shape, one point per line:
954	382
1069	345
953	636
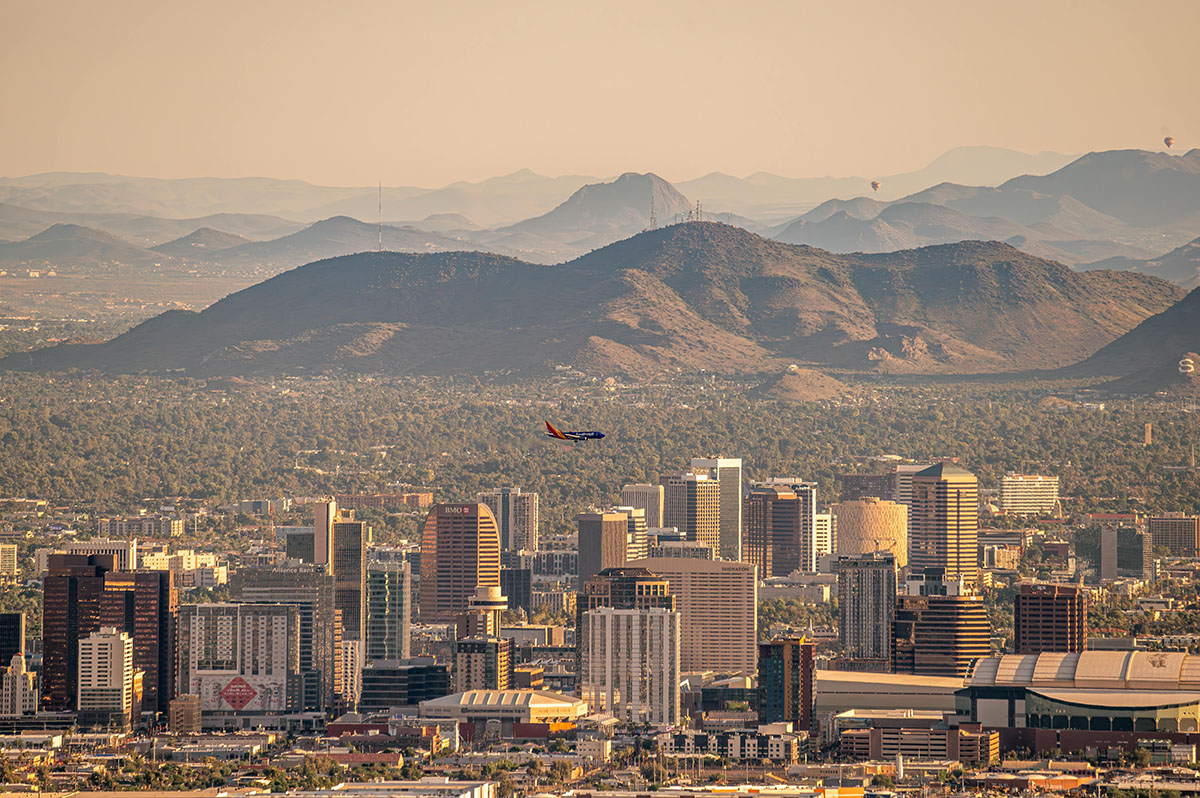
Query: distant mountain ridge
689	296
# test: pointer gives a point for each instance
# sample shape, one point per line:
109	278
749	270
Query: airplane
572	435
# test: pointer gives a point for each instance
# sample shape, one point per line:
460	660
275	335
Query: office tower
460	551
866	610
684	548
403	684
871	524
717	602
1028	494
648	498
123	552
389	610
692	504
483	663
106	690
308	588
1124	551
862	486
516	516
483	613
299	543
626	588
945	522
325	515
630	664
824	535
8	559
603	541
902	482
349	569
145	605
1178	533
241	659
771	538
1050	617
940	628
18	689
351	670
728	472
12	635
785	683
71	595
637	537
517	586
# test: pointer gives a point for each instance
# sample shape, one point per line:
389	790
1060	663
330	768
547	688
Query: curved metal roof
1091	670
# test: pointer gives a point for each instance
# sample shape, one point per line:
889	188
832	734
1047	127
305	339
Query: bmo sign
458	509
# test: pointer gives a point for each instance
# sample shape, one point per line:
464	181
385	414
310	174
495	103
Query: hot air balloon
1169	140
875	184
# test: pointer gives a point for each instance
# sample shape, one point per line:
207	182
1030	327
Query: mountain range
696	295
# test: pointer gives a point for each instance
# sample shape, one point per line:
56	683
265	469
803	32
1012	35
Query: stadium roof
1091	670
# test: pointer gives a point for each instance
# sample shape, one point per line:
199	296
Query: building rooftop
503	698
1094	670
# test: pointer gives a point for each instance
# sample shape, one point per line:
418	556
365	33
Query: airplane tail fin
554	432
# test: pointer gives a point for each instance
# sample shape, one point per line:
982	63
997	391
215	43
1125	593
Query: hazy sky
416	93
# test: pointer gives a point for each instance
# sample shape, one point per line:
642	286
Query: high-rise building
12	635
106	690
351	664
717	603
786	683
483	663
1125	551
8	559
404	683
241	659
349	569
145	605
299	543
460	551
648	498
18	689
940	628
308	588
781	524
1028	494
1050	617
902	482
866	610
483	613
692	504
630	664
183	717
516	516
71	594
325	515
1178	533
123	552
603	542
637	538
728	472
824	535
389	610
870	524
626	588
517	586
860	486
945	522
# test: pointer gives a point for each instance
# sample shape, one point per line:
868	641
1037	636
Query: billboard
227	692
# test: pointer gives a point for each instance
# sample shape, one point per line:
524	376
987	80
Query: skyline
248	94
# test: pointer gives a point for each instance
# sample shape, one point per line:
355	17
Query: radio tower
653	215
381	216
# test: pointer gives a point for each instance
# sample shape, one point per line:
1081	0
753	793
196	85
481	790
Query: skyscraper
145	605
727	471
1028	494
18	689
692	504
12	635
1050	617
71	596
782	524
945	522
389	610
630	664
866	610
637	539
483	663
824	535
626	588
349	568
603	541
902	482
785	683
516	516
106	693
325	515
940	628
1178	533
648	498
460	551
869	525
718	612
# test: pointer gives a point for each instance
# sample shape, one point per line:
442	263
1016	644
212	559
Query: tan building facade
871	525
945	522
460	551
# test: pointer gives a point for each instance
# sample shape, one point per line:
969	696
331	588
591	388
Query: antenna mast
653	214
381	216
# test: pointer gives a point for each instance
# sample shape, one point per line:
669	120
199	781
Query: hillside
1149	352
620	208
201	243
73	246
1181	265
688	296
